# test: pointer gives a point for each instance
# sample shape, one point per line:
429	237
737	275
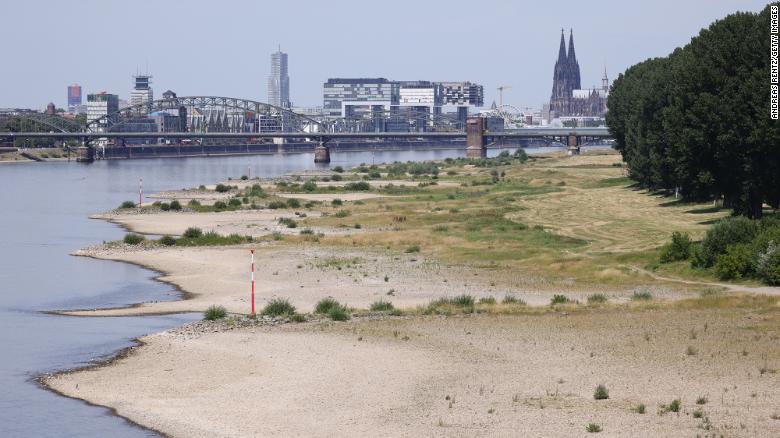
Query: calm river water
43	218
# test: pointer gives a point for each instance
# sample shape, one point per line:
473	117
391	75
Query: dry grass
559	220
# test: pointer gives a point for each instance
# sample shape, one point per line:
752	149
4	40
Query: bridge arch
232	115
44	122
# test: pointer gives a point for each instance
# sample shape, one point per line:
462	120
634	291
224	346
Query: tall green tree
698	119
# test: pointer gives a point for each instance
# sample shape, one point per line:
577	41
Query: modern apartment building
348	97
100	105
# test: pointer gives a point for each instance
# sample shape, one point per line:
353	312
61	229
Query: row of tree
698	121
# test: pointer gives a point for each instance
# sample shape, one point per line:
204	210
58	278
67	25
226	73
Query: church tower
574	66
562	86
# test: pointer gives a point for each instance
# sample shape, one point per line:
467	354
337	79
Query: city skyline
513	45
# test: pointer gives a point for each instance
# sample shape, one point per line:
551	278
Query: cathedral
568	98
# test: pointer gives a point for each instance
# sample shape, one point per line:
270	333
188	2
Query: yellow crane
501	96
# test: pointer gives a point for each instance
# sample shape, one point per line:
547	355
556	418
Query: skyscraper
278	81
142	90
74	99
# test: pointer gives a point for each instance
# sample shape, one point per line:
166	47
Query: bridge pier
476	147
573	142
280	142
322	153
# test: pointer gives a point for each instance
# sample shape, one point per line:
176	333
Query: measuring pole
140	193
248	172
253	280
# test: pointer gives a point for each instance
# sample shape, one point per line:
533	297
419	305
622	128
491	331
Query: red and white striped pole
140	193
253	280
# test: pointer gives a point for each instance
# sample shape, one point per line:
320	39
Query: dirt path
766	290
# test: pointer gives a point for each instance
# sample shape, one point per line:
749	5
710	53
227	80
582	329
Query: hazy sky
200	47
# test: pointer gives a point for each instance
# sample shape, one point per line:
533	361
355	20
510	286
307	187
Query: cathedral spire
572	57
562	49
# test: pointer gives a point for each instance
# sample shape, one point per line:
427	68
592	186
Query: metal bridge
208	118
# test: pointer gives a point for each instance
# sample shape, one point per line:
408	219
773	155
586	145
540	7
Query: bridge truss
13	120
204	114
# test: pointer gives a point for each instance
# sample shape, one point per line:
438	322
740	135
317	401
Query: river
43	219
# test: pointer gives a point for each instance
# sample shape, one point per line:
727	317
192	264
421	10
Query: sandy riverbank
304	274
512	371
485	375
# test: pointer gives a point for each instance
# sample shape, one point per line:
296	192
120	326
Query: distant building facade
74	99
279	81
100	105
343	97
142	90
568	98
396	100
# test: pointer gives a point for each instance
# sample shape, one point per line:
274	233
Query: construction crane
501	94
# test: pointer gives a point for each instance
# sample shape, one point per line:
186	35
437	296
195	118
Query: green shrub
293	203
192	233
601	393
701	400
133	239
298	317
381	306
358	186
767	263
593	428
336	202
374	174
640	408
440	228
641	295
511	299
338	169
487	300
463	300
244	177
559	299
342	213
412	249
275	205
307	231
736	263
338	313
214	312
167	240
678	249
726	232
221	188
309	186
194	203
337	177
164	206
279	307
674	406
202	188
220	205
127	204
520	155
175	205
257	191
290	223
234	202
598	298
325	305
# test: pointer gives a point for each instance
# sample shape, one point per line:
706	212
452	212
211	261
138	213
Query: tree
698	119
